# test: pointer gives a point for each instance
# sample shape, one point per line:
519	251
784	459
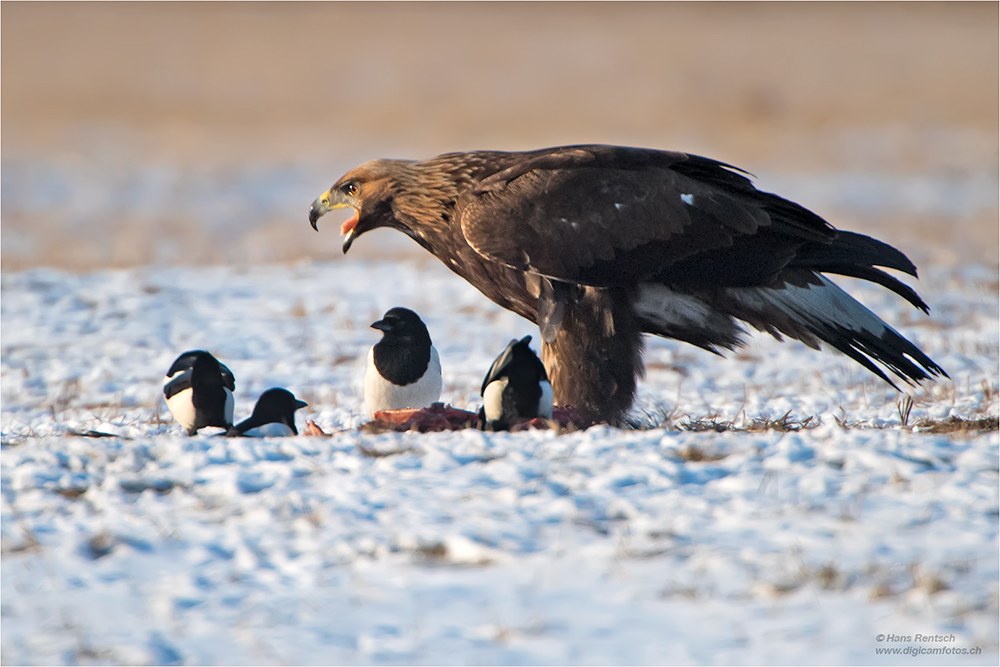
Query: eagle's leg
596	357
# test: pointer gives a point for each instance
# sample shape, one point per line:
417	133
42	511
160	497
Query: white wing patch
668	308
824	303
688	199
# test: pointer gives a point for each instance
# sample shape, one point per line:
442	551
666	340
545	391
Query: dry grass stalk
958	425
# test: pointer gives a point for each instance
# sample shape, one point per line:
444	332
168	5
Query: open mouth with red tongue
349	224
347	230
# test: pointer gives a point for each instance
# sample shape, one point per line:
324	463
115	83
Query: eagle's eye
350	189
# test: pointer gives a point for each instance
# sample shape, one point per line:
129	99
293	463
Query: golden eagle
600	244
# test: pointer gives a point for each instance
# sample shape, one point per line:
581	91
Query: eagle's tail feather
816	310
850	248
856	256
871	274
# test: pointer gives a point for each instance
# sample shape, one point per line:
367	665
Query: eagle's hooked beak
325	203
319	208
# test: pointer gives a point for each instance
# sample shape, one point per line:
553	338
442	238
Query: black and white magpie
273	416
199	391
515	389
404	370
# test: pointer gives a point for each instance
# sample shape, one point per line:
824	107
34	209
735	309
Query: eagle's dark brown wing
604	215
698	240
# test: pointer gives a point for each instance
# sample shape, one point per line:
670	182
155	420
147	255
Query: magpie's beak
300	404
382	325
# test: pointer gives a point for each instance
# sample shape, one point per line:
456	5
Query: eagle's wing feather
591	219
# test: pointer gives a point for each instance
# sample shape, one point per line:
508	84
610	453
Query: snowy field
781	506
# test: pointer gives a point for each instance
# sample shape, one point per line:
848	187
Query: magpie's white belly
182	408
493	399
272	430
380	394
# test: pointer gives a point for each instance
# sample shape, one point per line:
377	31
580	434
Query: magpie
515	389
273	416
199	391
404	370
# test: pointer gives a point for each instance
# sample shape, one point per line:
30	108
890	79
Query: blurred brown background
200	132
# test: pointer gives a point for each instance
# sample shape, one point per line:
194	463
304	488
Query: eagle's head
370	190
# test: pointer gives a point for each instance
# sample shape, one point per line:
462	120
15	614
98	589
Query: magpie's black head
205	371
184	368
185	362
403	326
275	406
519	361
527	361
403	354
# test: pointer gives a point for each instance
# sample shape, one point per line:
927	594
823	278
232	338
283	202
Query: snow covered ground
701	538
